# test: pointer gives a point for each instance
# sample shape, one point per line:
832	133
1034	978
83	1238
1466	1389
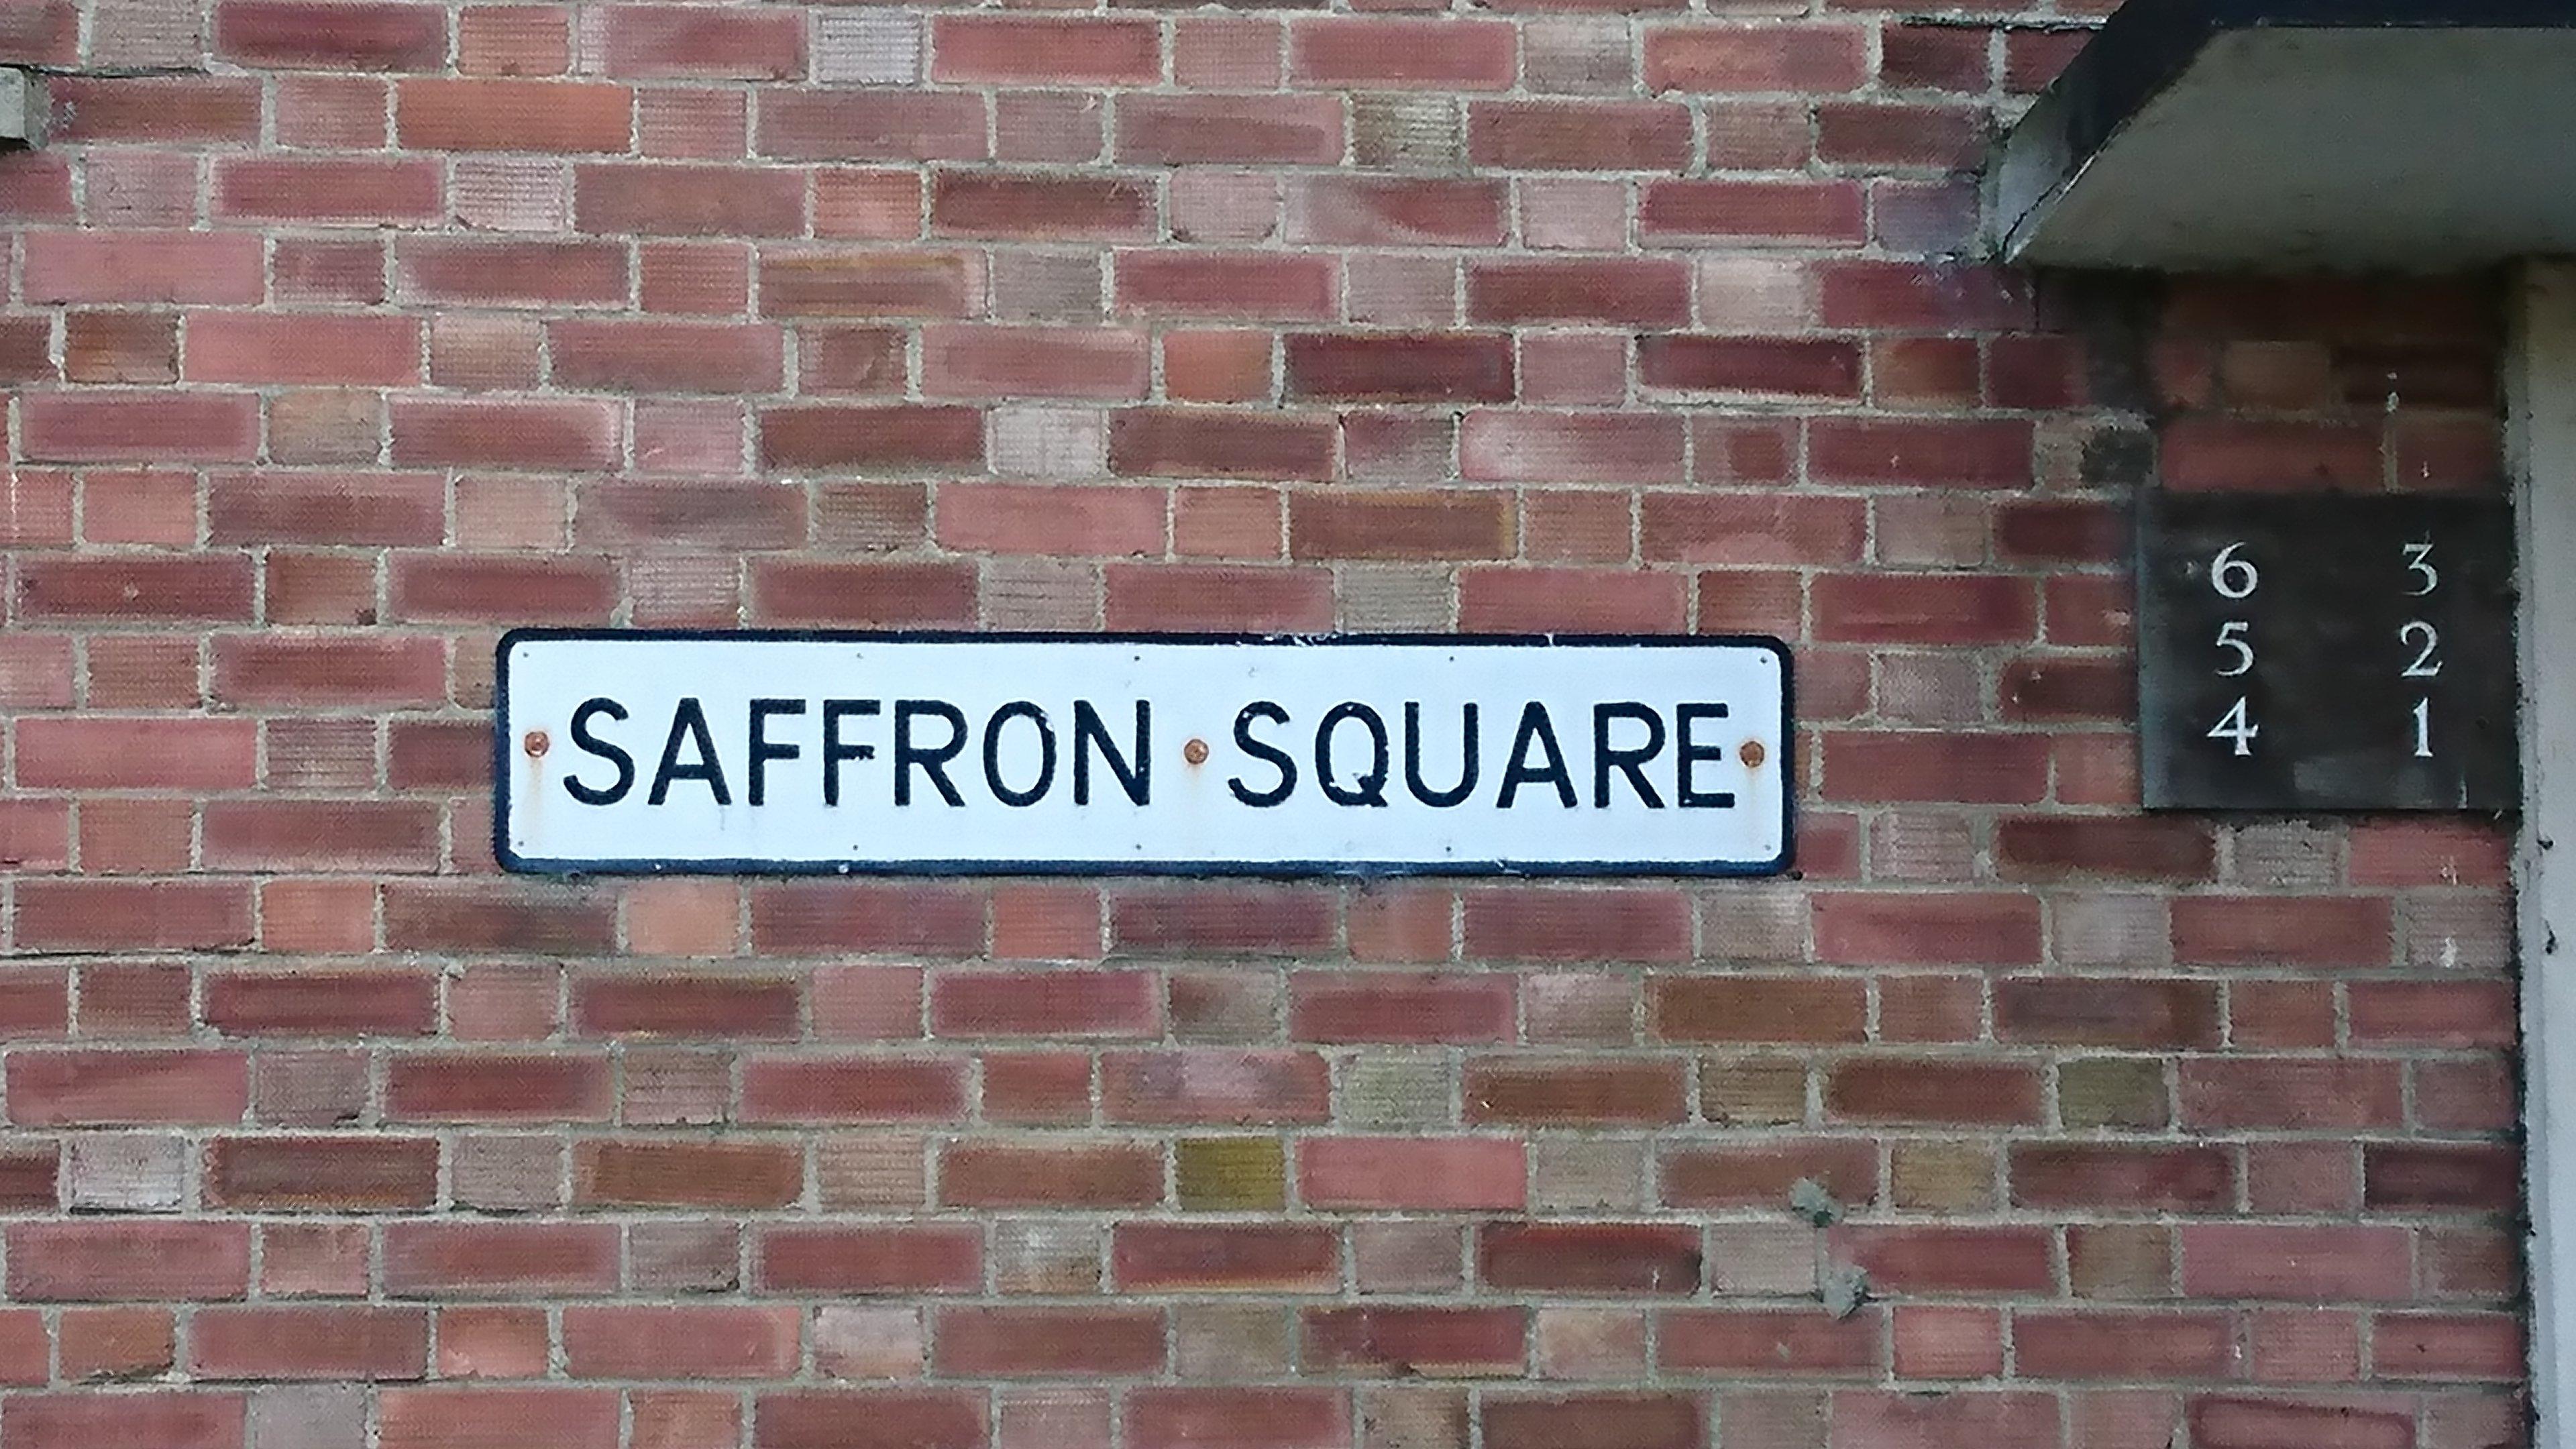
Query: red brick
1904	1420
686	1174
1267	1257
482	1259
2122	1179
637	1342
1579	135
462	1087
1430	1342
1590	1258
1377	53
210	587
508	115
536	917
1564	925
1927	297
665	357
1595	1421
1049	50
1758	1009
104	915
1265	130
1016	362
1449	367
164	1419
2259	930
206	427
1399	525
94	1087
2482	1177
1773	58
921	1258
307	35
1544	1092
497	434
191	109
871	126
102	1261
681	1006
1779	367
1791	1341
1764	1173
200	268
94	753
302	189
1226	284
843	919
316	1003
1399	1007
1932	1090
883	1419
1538	447
1458	1174
1210	1086
1924	609
1048	1004
309	1343
1752	213
2327	1263
1212	443
1279	1418
511	273
1040	207
427	1418
1346	210
2250	1423
1048	1342
853	1090
836	439
989	1175
673	41
1946	1260
2057	848
685	200
2096	1011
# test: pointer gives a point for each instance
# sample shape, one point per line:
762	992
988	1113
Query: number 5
2231	635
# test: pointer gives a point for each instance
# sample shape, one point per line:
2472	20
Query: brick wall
344	335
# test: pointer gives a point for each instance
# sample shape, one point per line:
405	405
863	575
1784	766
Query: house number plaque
2320	651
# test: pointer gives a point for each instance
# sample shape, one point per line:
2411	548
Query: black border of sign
516	864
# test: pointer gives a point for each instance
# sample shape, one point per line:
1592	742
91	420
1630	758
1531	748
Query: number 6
2233	577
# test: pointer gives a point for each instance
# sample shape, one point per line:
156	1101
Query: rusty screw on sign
1752	754
536	743
1196	752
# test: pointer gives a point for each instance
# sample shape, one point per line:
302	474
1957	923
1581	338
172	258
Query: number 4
2237	725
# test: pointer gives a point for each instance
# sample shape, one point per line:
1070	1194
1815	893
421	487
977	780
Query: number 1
2423	729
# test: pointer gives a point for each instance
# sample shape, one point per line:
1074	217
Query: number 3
2418	562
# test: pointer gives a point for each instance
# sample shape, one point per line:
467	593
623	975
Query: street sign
1005	754
2317	651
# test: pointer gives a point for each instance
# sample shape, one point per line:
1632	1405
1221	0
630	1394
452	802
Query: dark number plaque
2326	652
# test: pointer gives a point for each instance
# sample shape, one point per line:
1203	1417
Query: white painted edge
2540	383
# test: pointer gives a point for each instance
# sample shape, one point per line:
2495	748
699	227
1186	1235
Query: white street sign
1002	754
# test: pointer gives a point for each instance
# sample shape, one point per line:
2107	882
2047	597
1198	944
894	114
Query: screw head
1196	752
536	742
1752	754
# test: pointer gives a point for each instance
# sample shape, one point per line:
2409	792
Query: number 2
2231	636
2237	725
2419	562
2426	639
